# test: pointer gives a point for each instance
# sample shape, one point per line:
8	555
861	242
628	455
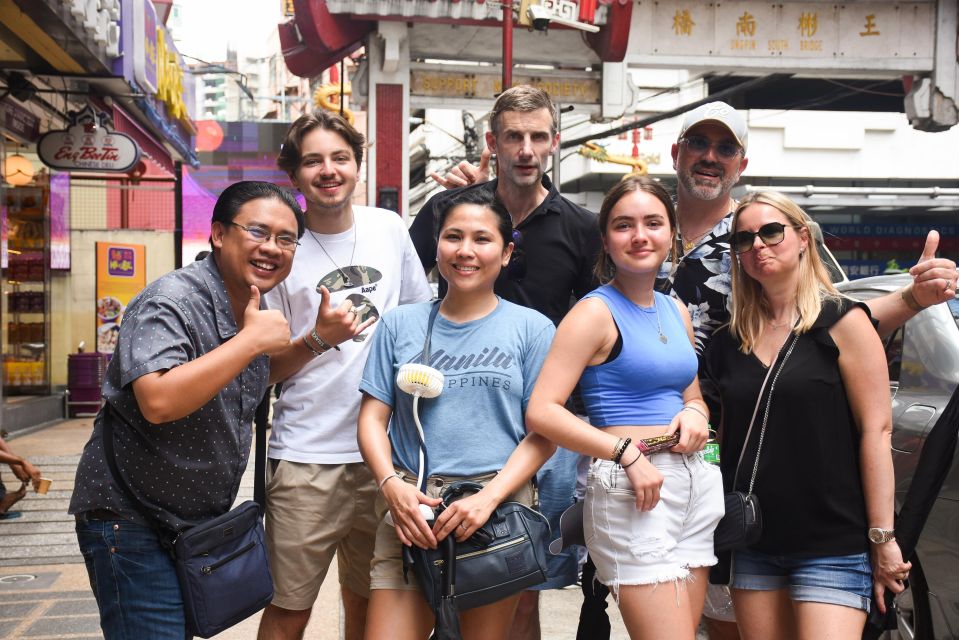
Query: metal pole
178	215
507	44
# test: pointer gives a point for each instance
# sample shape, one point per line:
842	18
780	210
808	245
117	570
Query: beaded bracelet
621	449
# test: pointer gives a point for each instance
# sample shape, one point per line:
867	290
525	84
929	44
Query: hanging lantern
17	170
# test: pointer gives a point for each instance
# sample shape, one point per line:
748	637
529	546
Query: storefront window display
24	234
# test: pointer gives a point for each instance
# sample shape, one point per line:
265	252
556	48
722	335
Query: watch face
878	536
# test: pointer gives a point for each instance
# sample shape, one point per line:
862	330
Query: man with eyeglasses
709	157
353	264
555	246
190	366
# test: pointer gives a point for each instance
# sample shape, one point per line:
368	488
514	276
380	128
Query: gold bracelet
910	299
621	449
616	447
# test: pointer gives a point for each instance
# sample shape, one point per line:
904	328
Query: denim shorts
841	580
631	547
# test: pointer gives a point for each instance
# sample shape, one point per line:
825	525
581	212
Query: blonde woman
825	476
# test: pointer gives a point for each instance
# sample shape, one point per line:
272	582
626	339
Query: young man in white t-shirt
353	264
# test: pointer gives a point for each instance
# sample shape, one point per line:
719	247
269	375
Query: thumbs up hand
934	279
267	327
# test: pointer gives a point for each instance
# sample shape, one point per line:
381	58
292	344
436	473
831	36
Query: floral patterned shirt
702	280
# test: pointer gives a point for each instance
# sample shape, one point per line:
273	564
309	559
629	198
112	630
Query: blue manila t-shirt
490	366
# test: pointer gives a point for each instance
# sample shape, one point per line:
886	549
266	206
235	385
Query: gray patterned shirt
188	470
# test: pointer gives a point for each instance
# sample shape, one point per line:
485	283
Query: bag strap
434	311
164	533
752	421
260	421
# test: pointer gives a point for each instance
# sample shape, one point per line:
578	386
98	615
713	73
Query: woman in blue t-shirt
648	519
489	352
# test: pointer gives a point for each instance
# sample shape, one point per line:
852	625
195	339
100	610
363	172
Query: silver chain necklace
347	283
659	326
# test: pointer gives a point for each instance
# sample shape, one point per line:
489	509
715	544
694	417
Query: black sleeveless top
809	485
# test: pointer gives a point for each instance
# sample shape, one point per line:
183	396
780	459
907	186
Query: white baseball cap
718	113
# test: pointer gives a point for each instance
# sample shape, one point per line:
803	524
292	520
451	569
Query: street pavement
44	591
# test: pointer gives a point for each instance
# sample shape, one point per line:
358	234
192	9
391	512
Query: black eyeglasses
771	233
262	235
701	144
517	262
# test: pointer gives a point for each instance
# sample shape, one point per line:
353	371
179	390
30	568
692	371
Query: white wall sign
88	145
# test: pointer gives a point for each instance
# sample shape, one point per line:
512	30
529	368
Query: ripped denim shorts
630	547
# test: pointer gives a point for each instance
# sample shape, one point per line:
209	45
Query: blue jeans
133	579
840	580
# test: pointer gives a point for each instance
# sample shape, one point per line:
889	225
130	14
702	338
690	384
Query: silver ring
463	525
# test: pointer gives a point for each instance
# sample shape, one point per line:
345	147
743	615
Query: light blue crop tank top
644	383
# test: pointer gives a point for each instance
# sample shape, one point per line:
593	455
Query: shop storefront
92	132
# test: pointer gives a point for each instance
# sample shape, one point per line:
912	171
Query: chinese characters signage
807	35
452	84
121	275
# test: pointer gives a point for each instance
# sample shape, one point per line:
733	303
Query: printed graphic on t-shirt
350	277
488	367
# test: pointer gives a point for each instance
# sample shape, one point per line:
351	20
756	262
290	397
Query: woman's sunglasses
771	233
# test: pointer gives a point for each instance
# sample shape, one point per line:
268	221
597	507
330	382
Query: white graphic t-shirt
314	420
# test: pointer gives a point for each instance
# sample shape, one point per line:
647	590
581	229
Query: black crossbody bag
221	564
503	557
742	525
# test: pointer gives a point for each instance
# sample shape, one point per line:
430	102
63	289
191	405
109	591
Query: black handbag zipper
208	569
483	552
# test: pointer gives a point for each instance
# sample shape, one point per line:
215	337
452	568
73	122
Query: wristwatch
879	536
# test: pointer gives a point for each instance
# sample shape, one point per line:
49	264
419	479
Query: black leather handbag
742	524
503	557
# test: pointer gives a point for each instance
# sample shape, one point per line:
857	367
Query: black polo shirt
560	241
188	470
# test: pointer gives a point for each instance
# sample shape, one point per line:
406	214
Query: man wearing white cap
709	156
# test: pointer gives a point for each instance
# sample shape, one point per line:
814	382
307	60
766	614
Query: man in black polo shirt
189	370
556	243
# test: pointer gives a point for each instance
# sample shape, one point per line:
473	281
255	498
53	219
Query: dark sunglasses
771	233
700	144
516	269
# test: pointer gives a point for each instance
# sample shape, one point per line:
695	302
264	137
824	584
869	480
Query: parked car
923	359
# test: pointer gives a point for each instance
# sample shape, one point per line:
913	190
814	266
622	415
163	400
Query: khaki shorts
312	512
386	571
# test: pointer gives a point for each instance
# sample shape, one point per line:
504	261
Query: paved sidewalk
44	590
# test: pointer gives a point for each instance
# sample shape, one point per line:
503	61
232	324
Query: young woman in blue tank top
649	519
